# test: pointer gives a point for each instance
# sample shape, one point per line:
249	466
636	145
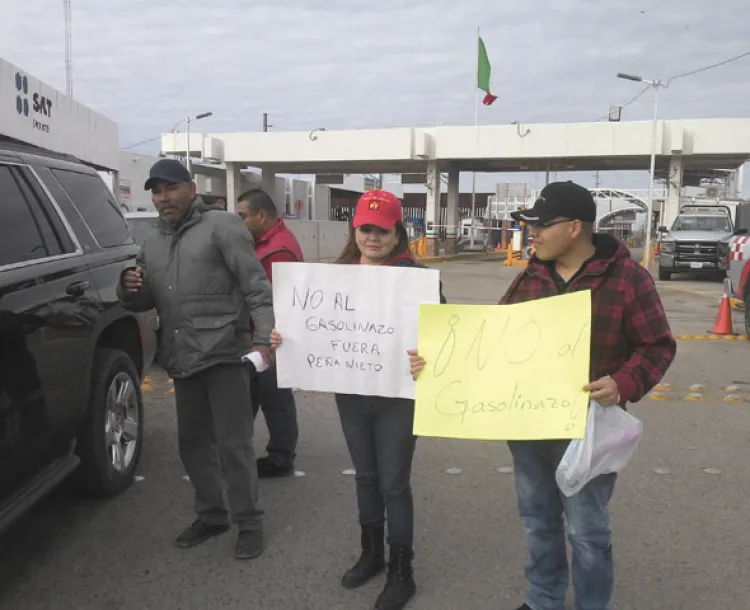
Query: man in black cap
200	272
631	349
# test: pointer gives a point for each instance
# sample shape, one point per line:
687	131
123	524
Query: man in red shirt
274	243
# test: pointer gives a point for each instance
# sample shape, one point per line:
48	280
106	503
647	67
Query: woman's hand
275	339
417	363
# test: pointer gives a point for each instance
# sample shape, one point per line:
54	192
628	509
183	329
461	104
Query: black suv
71	357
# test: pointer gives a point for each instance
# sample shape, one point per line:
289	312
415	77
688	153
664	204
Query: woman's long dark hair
351	252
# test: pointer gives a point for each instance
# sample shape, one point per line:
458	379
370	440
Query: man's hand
266	353
132	279
604	391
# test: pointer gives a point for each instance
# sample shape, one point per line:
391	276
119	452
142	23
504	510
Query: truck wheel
111	435
664	275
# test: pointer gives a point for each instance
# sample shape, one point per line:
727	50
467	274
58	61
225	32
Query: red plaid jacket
630	337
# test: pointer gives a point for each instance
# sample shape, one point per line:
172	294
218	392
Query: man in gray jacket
200	272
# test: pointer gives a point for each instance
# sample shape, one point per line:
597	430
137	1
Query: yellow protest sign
505	372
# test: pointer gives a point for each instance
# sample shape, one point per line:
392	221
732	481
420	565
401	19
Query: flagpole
476	130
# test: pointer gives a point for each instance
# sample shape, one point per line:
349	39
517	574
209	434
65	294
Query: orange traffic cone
723	325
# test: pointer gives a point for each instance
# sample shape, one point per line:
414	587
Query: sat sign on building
38	114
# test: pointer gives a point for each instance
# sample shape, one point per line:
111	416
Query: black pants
379	436
215	430
280	411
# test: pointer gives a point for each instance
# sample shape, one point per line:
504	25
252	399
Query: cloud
359	64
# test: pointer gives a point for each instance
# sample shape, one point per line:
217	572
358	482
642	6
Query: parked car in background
71	357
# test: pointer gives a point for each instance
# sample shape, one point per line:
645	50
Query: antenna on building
68	49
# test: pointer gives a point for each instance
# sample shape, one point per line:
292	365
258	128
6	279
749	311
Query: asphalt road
680	510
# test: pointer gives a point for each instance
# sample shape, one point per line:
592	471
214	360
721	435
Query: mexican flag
484	74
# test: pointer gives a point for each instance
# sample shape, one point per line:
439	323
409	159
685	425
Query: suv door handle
76	289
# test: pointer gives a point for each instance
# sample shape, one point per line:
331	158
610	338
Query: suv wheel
110	439
664	275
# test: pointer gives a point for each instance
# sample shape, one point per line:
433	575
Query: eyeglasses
551	223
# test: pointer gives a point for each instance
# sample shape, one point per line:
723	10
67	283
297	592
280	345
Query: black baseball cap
560	200
170	171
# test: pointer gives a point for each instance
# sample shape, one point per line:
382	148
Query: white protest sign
346	328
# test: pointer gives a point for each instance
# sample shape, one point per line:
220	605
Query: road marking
712	471
505	470
734	398
349	472
658	396
661	471
695	397
711	337
146	387
453	471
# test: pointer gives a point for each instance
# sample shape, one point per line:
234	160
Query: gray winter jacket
205	282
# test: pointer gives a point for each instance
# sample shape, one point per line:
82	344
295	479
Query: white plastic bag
611	438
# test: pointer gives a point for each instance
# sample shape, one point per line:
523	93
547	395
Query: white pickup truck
692	244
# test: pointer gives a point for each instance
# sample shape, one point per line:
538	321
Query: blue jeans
378	433
542	507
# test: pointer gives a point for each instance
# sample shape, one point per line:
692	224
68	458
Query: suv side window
97	206
23	234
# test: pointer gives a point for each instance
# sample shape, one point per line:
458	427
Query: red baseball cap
379	208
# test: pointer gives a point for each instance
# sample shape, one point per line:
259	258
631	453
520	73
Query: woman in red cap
378	430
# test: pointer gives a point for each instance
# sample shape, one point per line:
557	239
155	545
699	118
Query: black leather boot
400	586
372	560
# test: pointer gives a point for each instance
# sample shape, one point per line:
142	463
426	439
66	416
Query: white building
35	113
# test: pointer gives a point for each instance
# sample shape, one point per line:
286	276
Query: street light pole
188	120
647	251
655	85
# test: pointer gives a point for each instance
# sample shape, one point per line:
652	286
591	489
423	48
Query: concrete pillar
674	191
432	207
452	220
234	185
268	182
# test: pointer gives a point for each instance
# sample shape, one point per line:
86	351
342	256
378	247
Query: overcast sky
353	64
